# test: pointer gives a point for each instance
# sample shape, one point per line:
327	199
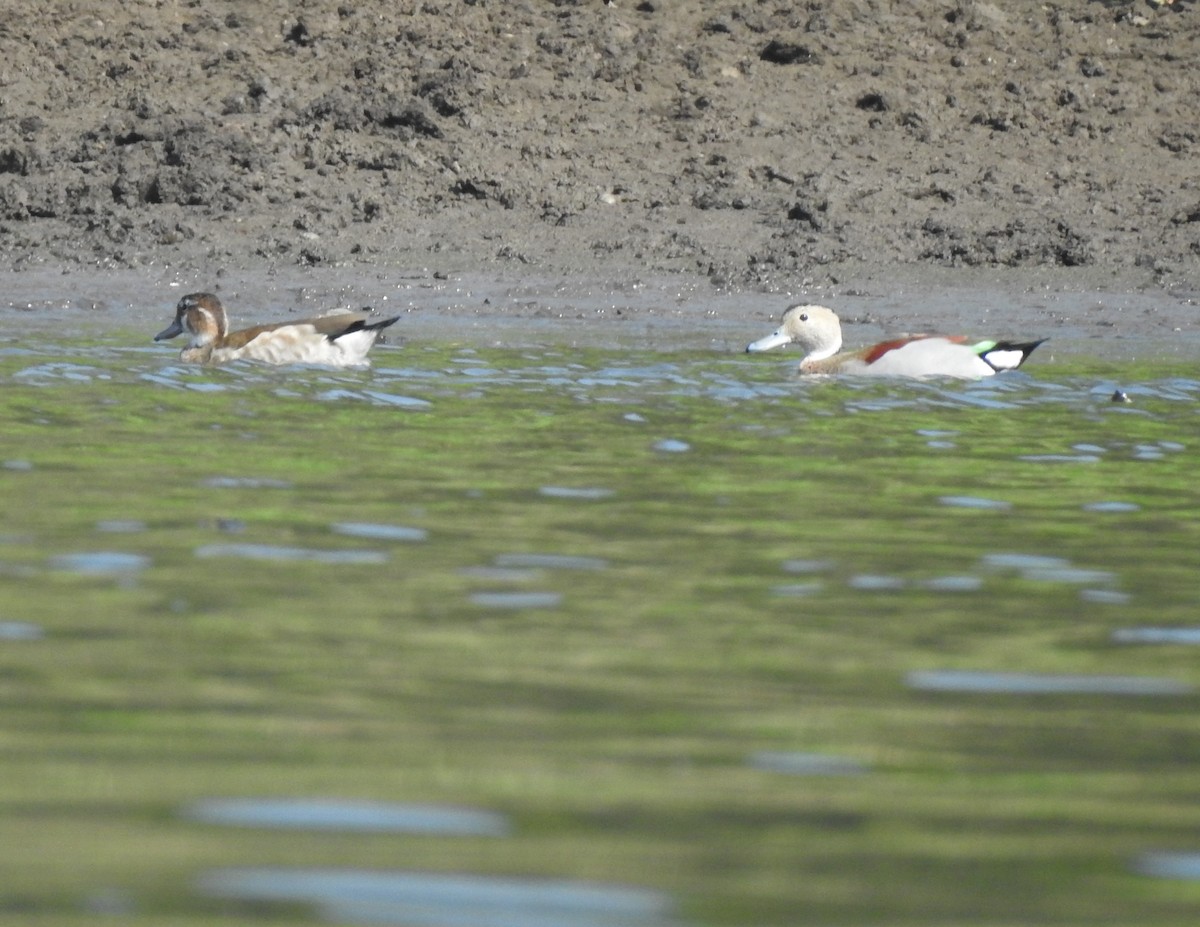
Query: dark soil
493	166
748	141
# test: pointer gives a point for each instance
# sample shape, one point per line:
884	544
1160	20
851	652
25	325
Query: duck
817	330
339	339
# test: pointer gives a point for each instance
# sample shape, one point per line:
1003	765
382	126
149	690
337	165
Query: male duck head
815	328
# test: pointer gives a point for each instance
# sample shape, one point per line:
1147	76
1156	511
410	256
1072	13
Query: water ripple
975	502
1112	507
1184	866
20	631
428	899
49	373
1042	683
273	552
806	764
245	482
796	590
359	529
99	563
550	562
341	815
1157	635
516	600
591	493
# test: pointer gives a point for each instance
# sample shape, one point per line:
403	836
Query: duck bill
170	331
774	340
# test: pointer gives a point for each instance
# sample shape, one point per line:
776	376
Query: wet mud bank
831	149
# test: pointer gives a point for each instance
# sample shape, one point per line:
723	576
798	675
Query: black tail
1009	355
360	325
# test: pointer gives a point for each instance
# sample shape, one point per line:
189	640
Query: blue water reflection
282	553
358	529
346	815
428	899
1185	635
1185	866
806	764
1043	683
100	563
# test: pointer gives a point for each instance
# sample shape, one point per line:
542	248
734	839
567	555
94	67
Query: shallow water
732	645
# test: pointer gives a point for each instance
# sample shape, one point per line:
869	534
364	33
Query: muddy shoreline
492	308
696	167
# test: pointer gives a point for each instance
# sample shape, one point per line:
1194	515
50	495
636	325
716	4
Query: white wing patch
1005	360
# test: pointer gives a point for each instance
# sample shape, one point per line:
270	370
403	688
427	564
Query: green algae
614	729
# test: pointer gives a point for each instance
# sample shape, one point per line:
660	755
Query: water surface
753	649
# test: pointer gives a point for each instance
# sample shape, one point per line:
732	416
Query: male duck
336	340
817	330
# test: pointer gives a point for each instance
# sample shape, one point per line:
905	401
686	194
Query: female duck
819	333
338	340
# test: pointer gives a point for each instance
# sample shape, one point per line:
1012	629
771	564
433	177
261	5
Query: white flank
303	344
931	357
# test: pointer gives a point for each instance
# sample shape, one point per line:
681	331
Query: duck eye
803	316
